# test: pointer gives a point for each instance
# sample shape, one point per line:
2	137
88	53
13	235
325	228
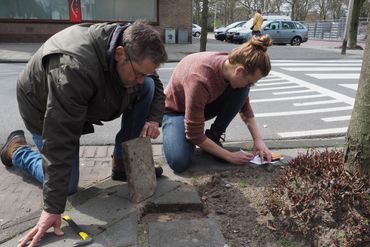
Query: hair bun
262	42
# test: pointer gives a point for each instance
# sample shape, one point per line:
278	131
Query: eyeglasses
138	74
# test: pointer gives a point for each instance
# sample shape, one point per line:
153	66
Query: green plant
285	243
243	184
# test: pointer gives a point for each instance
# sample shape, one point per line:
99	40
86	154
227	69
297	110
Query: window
287	25
274	25
34	9
299	25
80	10
119	10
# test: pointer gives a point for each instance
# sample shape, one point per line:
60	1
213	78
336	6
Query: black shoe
215	137
119	176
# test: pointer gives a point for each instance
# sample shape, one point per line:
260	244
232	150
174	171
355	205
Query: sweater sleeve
196	97
246	109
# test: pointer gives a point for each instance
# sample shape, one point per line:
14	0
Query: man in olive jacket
81	76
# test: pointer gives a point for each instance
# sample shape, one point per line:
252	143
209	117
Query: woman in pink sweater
207	85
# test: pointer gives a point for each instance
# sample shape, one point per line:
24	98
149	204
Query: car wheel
197	34
296	41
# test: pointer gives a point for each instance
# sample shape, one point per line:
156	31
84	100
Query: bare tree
324	6
336	8
352	37
203	37
274	6
357	146
300	8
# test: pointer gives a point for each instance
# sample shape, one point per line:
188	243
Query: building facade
37	20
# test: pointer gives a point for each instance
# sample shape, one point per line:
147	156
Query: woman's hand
239	157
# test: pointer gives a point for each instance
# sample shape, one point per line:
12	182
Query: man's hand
46	221
150	129
262	150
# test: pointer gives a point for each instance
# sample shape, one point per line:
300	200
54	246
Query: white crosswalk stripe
308	94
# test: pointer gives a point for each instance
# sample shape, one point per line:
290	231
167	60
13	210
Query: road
300	98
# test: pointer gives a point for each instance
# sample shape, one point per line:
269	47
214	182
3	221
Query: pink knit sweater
197	81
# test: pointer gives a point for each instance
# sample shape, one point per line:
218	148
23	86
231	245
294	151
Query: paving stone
183	198
139	164
186	233
99	213
123	233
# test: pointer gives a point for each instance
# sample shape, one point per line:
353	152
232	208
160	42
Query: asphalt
173	216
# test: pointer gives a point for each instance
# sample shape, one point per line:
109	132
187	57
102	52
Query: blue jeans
132	123
177	149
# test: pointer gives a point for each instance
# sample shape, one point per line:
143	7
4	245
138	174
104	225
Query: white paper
257	160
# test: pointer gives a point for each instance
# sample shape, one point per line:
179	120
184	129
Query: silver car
280	31
285	32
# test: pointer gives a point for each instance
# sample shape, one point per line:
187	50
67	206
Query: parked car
286	32
242	34
229	36
196	30
281	32
220	33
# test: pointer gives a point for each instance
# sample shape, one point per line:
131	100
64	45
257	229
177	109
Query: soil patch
237	200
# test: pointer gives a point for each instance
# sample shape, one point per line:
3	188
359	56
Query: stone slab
186	233
183	198
139	164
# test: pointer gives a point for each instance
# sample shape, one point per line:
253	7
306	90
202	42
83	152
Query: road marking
269	80
317	61
322	102
318	64
350	86
259	84
313	132
274	88
303	112
317	88
294	92
335	119
287	98
323	69
336	76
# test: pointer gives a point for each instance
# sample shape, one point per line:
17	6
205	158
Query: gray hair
142	41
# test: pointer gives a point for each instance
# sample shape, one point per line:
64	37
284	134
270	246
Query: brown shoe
15	140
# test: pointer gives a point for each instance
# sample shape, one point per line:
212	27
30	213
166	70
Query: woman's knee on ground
179	163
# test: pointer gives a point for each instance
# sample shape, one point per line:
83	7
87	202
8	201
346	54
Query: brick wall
175	14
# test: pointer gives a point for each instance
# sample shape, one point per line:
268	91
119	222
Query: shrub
317	198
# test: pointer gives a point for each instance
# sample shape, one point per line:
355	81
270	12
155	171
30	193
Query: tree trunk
197	11
203	36
352	36
357	146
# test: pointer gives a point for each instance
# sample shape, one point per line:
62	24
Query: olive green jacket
67	86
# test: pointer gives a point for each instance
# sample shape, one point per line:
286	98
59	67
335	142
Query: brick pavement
21	195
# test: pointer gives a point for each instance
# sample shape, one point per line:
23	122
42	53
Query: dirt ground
236	198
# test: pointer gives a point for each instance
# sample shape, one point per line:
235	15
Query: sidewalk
172	217
21	52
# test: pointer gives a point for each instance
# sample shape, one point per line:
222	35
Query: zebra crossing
305	98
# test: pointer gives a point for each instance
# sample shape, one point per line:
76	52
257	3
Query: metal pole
214	17
346	28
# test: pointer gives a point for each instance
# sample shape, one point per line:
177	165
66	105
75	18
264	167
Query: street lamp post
214	17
